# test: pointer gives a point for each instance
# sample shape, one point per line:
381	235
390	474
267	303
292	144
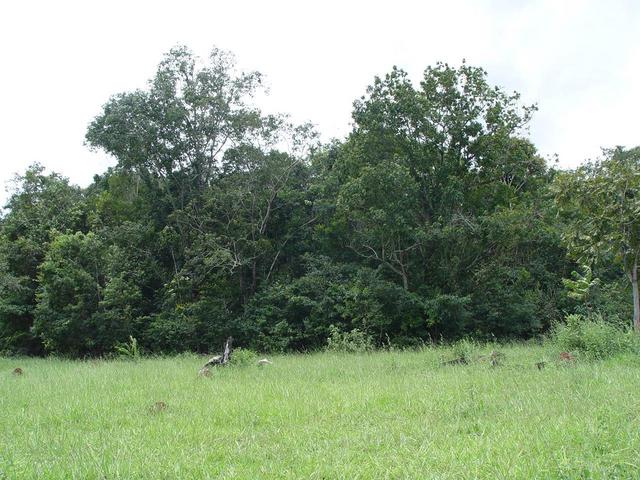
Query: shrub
242	357
464	349
129	350
592	336
295	314
448	314
354	341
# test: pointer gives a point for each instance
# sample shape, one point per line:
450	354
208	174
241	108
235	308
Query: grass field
322	416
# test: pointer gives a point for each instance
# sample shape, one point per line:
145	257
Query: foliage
580	285
297	314
354	341
464	349
129	350
593	337
602	206
448	314
243	357
432	220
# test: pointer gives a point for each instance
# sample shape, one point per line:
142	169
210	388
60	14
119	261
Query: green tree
71	284
91	293
174	134
601	202
39	204
420	159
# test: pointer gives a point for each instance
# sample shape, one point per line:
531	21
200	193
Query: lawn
324	416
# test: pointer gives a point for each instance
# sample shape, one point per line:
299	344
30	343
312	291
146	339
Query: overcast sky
579	60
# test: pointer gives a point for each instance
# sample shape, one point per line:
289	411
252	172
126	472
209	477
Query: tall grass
329	415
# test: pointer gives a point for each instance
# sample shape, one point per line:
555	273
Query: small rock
264	361
18	371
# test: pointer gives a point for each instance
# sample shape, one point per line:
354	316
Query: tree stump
218	359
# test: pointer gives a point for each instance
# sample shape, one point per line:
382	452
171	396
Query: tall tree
40	204
174	133
422	157
601	201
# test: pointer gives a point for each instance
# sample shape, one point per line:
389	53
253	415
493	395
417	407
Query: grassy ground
331	416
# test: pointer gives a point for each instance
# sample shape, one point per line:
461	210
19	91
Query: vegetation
326	415
602	199
434	219
594	337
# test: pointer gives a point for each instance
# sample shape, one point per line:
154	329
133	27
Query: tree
601	201
40	204
379	207
175	133
91	291
71	285
421	158
432	219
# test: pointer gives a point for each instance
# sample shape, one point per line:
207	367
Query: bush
464	349
243	357
129	350
592	336
295	314
448	314
354	341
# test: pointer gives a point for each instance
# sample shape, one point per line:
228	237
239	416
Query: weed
354	341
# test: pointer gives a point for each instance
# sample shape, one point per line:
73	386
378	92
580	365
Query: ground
322	416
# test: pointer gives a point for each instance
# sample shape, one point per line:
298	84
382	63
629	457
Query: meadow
389	414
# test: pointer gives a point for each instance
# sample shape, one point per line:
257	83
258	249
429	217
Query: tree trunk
254	277
636	297
405	280
218	359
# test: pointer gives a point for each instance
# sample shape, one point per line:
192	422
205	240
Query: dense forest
435	218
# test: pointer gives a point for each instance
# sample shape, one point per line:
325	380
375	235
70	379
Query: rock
264	361
18	371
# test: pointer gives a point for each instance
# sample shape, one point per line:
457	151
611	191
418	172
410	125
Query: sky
62	60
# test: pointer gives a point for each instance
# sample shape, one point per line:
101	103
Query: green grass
330	415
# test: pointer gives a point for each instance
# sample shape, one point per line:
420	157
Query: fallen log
218	359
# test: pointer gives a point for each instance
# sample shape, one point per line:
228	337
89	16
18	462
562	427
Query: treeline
433	219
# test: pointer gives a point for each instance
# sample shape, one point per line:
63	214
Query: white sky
61	60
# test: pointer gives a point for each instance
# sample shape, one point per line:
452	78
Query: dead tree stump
218	359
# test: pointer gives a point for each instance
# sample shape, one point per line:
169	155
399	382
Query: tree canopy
434	218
